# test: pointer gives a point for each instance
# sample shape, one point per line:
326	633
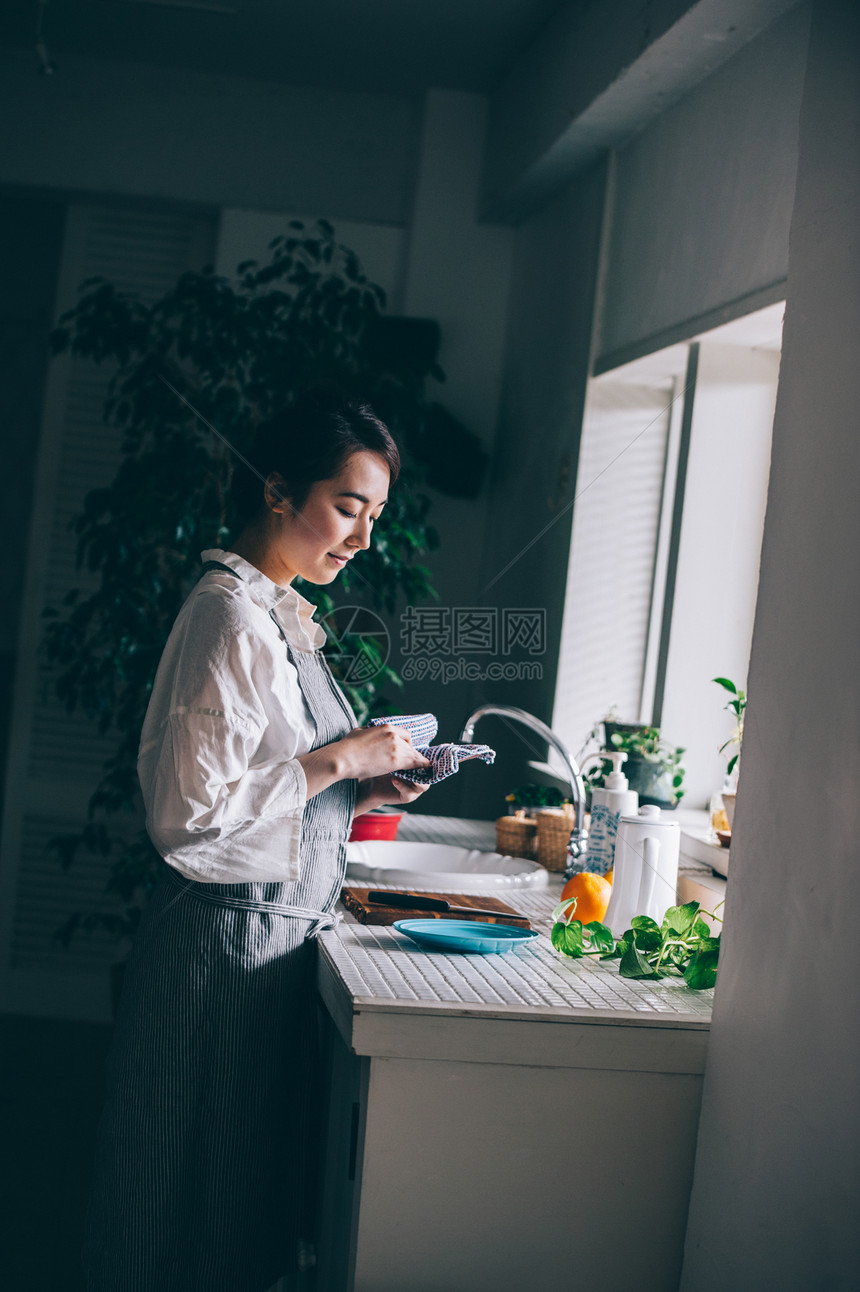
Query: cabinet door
342	1150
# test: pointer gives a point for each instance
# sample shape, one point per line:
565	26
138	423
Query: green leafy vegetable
681	946
635	963
646	933
702	970
567	938
679	920
575	939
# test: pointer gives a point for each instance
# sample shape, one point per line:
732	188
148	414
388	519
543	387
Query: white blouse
226	723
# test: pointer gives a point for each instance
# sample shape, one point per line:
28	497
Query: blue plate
464	935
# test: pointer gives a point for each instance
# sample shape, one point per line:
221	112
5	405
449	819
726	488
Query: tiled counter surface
370	970
381	965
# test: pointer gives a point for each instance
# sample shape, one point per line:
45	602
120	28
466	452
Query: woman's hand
365	754
385	791
369	752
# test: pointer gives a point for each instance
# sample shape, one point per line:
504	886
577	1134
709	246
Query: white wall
162	132
775	1195
703	201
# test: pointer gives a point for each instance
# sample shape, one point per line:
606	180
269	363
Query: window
663	573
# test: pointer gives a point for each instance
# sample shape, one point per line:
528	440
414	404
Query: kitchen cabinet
503	1122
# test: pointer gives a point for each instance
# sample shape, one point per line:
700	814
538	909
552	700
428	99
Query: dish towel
444	759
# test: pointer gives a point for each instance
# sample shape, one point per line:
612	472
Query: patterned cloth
444	759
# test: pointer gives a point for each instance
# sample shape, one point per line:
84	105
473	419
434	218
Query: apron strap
219	565
319	920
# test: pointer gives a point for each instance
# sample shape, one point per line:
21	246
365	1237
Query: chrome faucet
579	834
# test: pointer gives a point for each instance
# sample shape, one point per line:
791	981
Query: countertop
385	994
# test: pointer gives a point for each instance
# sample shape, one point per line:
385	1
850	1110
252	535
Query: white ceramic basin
439	867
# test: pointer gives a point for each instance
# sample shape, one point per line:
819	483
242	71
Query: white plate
439	866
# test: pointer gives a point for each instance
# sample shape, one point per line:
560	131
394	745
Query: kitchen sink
440	867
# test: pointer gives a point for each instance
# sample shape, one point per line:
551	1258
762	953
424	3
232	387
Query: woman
251	768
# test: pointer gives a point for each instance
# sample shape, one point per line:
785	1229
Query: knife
415	903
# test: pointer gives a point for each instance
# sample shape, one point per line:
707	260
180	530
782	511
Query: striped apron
202	1179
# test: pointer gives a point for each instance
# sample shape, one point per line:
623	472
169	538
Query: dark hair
309	441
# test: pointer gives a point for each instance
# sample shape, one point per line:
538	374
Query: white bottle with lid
609	802
647	850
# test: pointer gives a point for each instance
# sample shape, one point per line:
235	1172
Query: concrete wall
595	75
457	271
775	1194
138	130
703	201
580	52
698	211
527	537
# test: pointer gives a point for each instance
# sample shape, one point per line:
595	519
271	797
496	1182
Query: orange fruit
592	893
608	876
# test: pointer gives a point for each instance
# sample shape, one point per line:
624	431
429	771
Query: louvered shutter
608	599
55	758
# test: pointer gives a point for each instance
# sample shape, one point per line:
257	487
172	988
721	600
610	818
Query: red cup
375	825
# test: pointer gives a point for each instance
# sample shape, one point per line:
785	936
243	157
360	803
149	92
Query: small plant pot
651	781
729	806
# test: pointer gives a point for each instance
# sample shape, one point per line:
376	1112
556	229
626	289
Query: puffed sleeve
224	801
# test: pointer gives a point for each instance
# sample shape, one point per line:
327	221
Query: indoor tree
237	351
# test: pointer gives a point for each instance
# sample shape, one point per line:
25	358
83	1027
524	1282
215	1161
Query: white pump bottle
609	802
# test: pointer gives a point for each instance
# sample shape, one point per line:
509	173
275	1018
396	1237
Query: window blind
614	540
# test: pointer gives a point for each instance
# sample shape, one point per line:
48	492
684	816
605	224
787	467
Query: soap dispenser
609	802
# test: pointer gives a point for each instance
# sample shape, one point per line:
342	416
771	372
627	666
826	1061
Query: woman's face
335	522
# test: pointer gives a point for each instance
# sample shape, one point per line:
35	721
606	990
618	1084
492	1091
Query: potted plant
238	351
736	706
653	767
532	797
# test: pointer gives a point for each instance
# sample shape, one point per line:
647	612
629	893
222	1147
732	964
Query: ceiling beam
596	75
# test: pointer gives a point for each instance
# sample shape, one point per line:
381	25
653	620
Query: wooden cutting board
355	901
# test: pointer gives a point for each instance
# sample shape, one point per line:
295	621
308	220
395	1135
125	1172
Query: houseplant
531	797
736	706
237	351
653	767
